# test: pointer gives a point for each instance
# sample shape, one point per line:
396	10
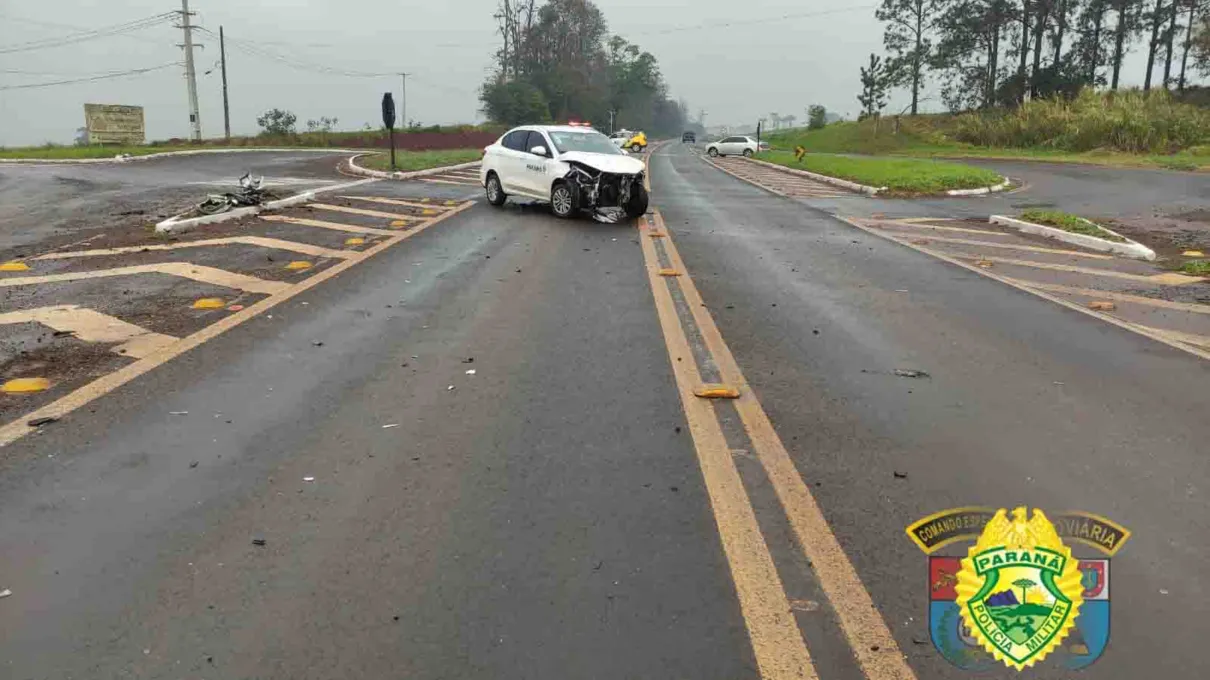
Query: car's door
535	167
512	160
728	146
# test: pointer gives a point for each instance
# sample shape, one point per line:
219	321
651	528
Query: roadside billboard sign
114	124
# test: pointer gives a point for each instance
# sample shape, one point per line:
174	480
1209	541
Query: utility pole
195	119
222	48
403	103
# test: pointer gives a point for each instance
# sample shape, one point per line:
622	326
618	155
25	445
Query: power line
106	76
749	22
71	27
254	49
117	29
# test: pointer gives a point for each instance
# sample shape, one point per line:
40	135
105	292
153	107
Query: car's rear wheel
495	192
564	200
713	152
747	153
637	205
637	148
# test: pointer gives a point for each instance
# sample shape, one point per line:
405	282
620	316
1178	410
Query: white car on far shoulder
574	168
734	146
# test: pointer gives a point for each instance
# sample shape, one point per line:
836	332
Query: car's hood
618	165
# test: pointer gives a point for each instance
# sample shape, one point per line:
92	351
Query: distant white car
574	168
734	146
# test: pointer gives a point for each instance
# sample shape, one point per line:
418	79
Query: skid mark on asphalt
1163	305
56	308
778	181
92	326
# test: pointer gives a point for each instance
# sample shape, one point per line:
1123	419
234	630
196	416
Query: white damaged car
574	168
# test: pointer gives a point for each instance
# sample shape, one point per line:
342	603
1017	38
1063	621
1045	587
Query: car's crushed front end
608	186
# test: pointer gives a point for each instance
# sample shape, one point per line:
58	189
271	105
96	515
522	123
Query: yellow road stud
657	234
298	265
716	391
399	223
14	266
669	272
22	385
354	241
209	303
1102	305
1193	253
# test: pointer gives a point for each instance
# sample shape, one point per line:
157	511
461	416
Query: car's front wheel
637	148
713	152
636	207
495	192
747	153
564	200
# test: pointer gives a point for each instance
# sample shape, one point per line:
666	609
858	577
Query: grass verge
1069	222
84	152
408	161
1196	267
928	136
898	175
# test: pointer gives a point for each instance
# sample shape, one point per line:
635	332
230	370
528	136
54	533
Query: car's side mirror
539	151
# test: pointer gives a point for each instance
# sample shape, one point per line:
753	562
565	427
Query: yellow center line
1168	279
776	641
185	270
93	326
1012	246
362	211
112	381
261	241
868	635
322	224
394	201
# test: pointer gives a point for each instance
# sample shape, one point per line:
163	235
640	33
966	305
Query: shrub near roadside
1129	120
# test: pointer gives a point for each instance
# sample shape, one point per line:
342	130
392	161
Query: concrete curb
1127	248
981	190
179	224
165	154
826	179
356	169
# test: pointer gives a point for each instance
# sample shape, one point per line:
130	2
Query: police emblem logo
1018	595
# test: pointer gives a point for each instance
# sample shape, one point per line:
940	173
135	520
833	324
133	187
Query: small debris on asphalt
899	475
5	593
1163	591
317	343
193	464
910	373
804	605
986	264
39	422
257	540
815	332
918	641
178	413
1102	306
450	388
901	290
678	429
308	479
674	489
234	308
469	360
470	371
60	334
389	426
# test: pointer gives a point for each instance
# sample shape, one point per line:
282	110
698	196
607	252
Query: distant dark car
689	138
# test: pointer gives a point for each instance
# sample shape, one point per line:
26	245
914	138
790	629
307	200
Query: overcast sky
735	73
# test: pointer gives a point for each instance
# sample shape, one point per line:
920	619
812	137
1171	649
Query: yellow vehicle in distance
635	142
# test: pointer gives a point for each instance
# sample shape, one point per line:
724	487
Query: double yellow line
781	653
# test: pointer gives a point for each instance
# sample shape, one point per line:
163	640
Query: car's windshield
591	142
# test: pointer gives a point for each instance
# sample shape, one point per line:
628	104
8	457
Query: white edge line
1129	248
1013	283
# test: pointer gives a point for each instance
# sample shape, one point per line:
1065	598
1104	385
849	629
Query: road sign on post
388	121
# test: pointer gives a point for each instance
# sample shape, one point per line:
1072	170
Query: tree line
989	53
558	62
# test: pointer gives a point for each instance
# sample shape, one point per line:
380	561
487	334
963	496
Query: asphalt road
38	201
548	515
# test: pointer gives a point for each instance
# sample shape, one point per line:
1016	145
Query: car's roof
558	128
